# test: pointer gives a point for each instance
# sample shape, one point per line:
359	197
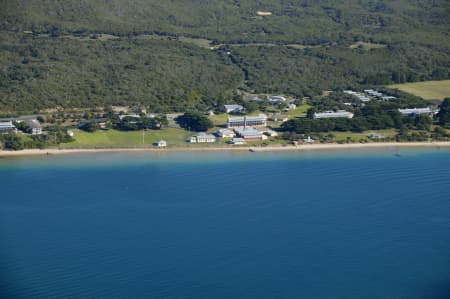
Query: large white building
247	121
332	114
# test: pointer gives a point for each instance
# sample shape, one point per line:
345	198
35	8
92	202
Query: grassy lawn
429	90
356	137
113	138
300	110
219	119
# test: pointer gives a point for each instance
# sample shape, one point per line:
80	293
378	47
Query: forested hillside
157	53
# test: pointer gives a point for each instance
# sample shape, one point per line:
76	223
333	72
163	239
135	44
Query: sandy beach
302	147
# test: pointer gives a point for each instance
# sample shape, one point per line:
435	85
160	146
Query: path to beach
303	147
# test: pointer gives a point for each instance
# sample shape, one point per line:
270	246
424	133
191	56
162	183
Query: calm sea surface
346	224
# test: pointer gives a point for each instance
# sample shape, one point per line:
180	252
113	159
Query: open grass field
300	110
219	120
113	138
429	90
356	137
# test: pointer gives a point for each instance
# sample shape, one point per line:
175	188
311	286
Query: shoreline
291	148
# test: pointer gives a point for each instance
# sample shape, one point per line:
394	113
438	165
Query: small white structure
70	133
6	127
161	143
237	141
308	140
233	108
128	115
264	13
290	107
202	138
247	121
413	112
224	133
332	114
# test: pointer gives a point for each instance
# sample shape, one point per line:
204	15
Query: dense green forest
55	53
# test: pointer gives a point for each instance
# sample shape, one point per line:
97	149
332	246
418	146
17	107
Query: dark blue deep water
350	224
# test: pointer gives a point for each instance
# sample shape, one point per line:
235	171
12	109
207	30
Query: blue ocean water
345	224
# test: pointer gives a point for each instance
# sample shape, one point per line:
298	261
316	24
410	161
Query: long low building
250	134
6	127
418	111
202	138
332	114
247	121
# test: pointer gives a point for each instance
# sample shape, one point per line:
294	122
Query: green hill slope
91	53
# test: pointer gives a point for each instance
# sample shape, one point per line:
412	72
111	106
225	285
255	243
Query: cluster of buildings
32	126
379	95
239	130
365	97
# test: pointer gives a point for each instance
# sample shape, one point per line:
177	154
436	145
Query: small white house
308	140
161	143
70	133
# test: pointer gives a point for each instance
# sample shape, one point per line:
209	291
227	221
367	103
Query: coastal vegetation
178	56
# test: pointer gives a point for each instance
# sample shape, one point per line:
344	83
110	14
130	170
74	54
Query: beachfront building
308	140
250	134
237	141
161	143
413	112
233	108
202	138
7	127
224	133
34	127
247	121
332	114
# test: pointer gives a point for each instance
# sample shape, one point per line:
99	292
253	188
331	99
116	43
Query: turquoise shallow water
346	224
